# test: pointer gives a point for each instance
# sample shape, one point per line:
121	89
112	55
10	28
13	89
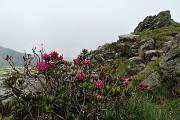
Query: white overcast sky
68	26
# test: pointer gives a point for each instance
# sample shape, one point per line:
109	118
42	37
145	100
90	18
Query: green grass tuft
140	108
150	68
163	33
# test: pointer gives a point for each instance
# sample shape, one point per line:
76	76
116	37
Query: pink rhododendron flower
46	57
78	76
143	85
126	82
54	54
88	62
75	61
83	75
98	84
42	66
60	57
122	79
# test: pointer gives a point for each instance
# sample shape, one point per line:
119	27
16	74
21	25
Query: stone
170	67
4	94
154	58
172	53
137	44
136	59
150	54
173	49
176	39
149	45
152	80
128	37
167	46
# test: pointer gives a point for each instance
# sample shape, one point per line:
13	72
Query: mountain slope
17	56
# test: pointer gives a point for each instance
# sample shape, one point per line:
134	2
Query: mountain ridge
17	56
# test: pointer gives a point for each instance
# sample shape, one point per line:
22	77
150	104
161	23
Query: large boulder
156	21
128	37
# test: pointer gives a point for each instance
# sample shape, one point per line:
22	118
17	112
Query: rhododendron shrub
75	89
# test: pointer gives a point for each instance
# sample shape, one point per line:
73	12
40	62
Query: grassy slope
159	105
164	33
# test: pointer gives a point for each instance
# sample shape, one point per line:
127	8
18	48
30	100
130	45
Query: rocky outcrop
156	21
170	65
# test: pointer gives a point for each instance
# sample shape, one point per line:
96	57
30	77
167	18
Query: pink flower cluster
125	81
80	76
46	57
42	66
98	84
52	55
88	62
76	62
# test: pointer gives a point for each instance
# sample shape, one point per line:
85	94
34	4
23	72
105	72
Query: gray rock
167	46
136	59
171	67
99	57
149	45
128	37
172	48
152	80
117	55
173	53
149	54
4	94
176	39
154	58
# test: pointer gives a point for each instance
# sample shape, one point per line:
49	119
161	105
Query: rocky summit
156	21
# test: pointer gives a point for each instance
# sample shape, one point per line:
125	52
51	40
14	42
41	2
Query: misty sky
68	26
